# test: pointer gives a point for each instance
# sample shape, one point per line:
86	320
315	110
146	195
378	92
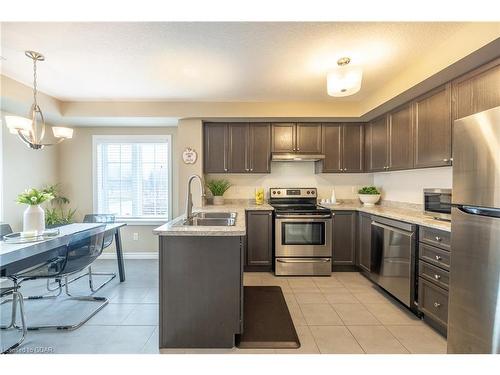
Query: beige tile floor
346	313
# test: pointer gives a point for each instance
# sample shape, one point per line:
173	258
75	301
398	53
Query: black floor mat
267	322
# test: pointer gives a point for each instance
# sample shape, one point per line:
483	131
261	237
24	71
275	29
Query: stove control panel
293	192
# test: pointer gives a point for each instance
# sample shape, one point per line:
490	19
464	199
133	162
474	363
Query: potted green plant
218	188
34	215
369	195
56	215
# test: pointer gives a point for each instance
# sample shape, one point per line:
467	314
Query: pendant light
32	131
344	79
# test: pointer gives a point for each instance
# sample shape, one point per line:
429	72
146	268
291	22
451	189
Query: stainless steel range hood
296	157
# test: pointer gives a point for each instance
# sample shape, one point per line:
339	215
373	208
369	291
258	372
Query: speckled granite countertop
397	213
176	228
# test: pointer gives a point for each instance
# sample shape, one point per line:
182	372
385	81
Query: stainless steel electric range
303	232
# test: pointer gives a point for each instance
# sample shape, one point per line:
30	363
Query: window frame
96	139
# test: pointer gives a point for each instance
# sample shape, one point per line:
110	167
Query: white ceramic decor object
34	219
333	199
218	200
369	199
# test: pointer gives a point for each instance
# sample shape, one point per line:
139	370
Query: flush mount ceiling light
344	79
32	131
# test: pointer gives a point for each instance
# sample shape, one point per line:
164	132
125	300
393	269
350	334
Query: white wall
23	168
407	186
75	177
295	174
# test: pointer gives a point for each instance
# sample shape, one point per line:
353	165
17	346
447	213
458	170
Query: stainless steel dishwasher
393	259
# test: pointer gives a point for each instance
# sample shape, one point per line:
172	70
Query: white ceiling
211	61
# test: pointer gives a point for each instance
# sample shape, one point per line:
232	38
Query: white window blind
132	176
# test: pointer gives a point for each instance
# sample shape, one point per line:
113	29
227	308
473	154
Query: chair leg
90	274
71	327
17	298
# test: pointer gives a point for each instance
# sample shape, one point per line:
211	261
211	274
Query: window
132	176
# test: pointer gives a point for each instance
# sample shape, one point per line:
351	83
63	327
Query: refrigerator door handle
490	212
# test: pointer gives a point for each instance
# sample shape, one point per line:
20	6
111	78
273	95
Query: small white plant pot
218	200
369	199
34	219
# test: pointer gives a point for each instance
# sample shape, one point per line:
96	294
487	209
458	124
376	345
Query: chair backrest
5	229
79	252
102	218
83	248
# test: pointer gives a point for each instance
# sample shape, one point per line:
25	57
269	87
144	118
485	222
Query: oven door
303	236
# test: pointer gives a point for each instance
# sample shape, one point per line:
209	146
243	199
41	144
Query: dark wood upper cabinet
215	145
344	238
352	147
477	90
238	148
259	240
432	118
283	137
260	148
332	148
308	138
343	148
378	145
400	124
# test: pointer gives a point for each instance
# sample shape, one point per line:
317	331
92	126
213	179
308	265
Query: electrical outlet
135	236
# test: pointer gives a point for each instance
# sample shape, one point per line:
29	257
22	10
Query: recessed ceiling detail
213	61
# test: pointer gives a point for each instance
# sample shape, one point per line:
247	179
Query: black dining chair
17	301
108	240
5	229
82	249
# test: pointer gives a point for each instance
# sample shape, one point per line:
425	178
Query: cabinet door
332	147
364	241
238	148
308	138
378	144
432	116
401	138
344	241
215	148
283	137
259	238
352	148
477	91
260	148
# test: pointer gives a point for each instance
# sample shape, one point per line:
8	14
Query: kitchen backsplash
398	186
295	174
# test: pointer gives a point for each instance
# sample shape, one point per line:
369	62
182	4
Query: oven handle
303	216
318	260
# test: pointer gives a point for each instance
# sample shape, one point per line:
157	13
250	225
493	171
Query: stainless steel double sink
212	219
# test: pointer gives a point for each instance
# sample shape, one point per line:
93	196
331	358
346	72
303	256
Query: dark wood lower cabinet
363	258
344	238
259	242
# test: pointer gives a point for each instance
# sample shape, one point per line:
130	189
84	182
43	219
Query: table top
10	252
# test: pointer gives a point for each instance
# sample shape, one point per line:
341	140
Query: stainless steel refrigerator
474	299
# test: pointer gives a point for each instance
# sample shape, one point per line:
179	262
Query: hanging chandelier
32	131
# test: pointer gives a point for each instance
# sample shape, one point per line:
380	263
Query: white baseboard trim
145	255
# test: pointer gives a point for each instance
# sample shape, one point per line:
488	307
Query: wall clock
189	156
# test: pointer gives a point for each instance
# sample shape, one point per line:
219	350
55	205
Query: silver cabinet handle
298	149
246	169
251	169
438	239
446	160
451	159
225	169
317	260
437	277
437	304
438	257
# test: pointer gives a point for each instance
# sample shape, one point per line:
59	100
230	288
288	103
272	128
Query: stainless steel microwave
437	203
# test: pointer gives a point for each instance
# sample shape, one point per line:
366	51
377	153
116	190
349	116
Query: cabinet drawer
434	274
435	256
436	237
433	301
